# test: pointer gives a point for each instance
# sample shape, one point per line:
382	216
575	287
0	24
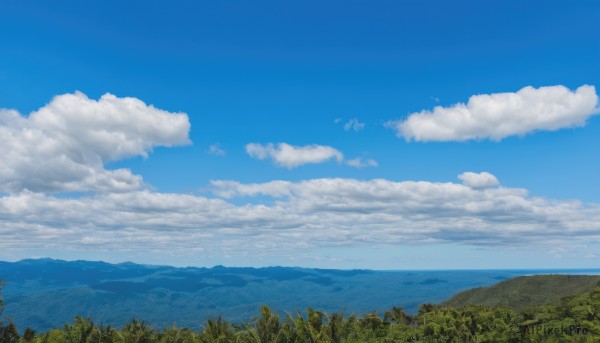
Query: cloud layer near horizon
64	145
500	115
300	215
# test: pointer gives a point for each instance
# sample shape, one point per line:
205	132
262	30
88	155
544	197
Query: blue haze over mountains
46	293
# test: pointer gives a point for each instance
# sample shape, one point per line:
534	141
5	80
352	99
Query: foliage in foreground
574	319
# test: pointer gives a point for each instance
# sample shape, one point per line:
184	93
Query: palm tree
28	334
398	316
137	332
103	334
217	330
372	321
9	333
267	329
335	329
305	331
80	332
175	335
267	325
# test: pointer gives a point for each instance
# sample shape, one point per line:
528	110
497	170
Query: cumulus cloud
299	215
290	156
65	144
359	163
500	115
479	180
215	149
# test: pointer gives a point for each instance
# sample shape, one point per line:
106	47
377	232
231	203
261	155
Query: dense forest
572	319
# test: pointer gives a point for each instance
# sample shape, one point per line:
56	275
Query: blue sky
296	73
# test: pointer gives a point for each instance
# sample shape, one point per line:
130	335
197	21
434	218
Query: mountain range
46	293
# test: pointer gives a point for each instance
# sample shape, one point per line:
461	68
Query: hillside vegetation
526	291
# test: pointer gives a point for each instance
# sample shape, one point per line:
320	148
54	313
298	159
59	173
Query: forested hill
526	291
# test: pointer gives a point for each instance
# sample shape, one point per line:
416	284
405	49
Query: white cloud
497	116
215	149
64	145
302	215
351	212
354	124
479	181
290	156
359	163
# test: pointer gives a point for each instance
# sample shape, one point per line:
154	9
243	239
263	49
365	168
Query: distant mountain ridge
45	293
526	291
